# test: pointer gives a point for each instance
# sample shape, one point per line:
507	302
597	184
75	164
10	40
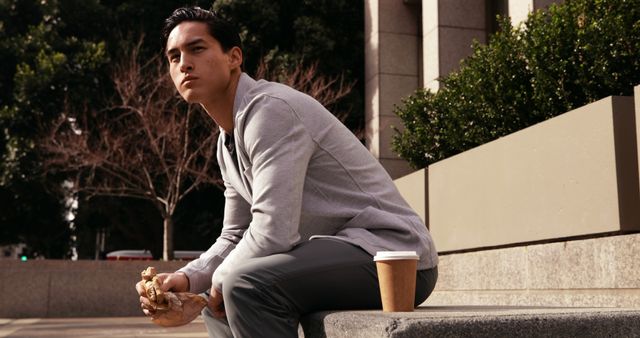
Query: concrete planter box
572	175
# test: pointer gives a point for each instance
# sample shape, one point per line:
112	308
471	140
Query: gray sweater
300	175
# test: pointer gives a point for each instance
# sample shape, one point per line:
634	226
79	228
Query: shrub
559	59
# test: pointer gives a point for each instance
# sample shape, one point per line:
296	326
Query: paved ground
124	327
429	321
477	321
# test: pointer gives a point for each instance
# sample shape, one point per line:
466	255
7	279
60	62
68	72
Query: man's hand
216	304
177	282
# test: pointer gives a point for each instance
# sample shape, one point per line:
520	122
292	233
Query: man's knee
245	281
253	285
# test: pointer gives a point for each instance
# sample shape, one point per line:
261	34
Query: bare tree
327	90
148	144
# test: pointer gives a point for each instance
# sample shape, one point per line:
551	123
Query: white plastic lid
395	255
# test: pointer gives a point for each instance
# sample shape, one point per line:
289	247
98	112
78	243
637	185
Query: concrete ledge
56	288
476	321
590	272
101	327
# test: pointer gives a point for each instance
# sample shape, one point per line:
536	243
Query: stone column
542	4
392	38
520	9
449	28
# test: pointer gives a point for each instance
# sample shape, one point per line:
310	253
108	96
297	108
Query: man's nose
185	65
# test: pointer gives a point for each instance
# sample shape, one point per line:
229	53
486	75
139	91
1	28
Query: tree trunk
167	242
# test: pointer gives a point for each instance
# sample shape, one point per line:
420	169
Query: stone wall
56	288
597	272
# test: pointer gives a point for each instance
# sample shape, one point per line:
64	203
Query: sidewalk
428	321
112	327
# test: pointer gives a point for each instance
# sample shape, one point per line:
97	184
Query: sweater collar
245	83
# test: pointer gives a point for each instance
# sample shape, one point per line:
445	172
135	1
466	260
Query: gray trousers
266	296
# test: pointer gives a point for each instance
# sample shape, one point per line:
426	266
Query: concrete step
476	321
596	272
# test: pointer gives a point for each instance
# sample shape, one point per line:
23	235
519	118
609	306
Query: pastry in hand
171	308
152	288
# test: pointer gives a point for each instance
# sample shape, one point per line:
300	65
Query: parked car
145	255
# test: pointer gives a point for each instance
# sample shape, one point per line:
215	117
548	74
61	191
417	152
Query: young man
307	206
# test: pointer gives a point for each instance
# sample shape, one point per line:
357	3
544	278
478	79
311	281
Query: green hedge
560	59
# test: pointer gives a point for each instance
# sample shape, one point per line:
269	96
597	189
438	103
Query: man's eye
198	48
174	58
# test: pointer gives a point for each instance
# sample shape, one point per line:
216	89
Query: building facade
409	44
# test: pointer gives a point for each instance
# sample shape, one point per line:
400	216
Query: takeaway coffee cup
397	278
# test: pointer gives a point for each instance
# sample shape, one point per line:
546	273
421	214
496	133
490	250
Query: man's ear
235	57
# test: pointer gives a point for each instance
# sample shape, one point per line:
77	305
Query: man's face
199	68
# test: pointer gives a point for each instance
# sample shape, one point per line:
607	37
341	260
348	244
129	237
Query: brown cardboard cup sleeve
397	278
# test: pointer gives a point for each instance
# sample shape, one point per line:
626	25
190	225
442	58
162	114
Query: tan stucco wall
413	188
572	175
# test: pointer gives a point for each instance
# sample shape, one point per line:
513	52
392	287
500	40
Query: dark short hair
219	28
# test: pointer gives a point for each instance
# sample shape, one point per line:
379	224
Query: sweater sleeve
279	148
237	216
